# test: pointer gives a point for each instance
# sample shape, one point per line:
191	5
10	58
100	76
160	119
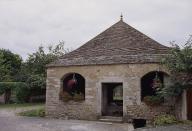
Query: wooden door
189	104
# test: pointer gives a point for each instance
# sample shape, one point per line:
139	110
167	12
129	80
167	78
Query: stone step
111	119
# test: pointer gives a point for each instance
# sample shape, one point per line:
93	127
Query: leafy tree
36	62
27	78
34	69
10	65
179	62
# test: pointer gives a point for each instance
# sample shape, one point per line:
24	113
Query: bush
20	89
78	97
153	100
164	120
7	86
22	93
65	96
34	113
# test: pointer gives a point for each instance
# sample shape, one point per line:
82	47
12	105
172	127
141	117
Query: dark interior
79	87
138	123
113	106
147	83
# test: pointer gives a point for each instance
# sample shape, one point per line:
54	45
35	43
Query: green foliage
180	59
9	65
164	120
172	90
36	62
153	100
34	113
21	105
65	96
22	92
179	63
20	89
27	78
7	86
34	69
36	82
78	97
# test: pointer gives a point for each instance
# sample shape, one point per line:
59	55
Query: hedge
20	88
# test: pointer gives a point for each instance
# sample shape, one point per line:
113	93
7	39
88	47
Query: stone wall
128	74
148	112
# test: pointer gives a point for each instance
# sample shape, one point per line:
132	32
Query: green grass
33	113
20	105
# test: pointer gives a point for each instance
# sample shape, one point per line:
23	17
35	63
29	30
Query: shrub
153	100
4	86
34	113
78	97
19	88
22	93
164	120
64	96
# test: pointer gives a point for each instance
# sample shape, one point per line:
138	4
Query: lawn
33	113
3	106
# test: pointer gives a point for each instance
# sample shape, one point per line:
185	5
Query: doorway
112	99
189	104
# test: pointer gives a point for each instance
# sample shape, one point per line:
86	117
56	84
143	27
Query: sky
27	24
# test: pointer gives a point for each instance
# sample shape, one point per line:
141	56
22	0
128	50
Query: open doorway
112	99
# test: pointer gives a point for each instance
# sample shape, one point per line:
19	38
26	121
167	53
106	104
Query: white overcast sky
26	24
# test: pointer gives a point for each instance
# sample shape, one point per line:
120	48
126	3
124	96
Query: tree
179	63
10	65
34	69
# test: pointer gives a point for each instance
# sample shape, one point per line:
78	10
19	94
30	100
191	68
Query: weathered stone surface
147	112
90	109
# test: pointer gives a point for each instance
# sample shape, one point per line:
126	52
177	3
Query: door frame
102	98
108	79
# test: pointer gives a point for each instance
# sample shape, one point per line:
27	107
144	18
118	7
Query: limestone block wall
128	74
148	112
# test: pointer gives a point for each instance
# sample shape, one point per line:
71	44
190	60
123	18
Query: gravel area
45	124
10	122
179	127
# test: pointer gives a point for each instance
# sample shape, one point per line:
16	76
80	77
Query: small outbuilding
110	75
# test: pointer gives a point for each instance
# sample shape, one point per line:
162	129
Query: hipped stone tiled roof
119	44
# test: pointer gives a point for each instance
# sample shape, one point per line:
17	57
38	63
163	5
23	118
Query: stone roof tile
119	44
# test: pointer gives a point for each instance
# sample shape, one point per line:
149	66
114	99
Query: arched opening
151	82
73	87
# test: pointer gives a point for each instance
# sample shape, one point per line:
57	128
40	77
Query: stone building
110	75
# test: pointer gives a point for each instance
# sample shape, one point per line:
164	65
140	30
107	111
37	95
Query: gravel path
10	122
44	124
168	128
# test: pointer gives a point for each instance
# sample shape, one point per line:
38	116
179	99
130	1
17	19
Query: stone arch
73	86
152	80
